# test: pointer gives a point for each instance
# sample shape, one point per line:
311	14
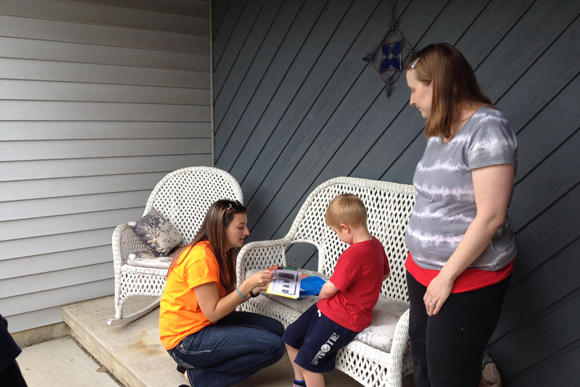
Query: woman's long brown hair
454	84
213	229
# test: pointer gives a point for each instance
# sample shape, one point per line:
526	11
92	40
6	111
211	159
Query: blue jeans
236	347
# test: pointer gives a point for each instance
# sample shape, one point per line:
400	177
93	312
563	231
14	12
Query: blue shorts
318	339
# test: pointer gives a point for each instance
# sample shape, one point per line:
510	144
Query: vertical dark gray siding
295	106
99	99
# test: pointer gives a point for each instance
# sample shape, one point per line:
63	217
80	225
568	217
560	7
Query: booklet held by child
285	283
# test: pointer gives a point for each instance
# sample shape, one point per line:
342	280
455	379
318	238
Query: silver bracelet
240	293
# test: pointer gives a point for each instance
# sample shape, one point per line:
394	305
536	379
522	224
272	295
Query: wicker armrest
125	242
260	255
400	345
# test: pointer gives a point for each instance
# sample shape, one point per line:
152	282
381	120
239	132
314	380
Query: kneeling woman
216	345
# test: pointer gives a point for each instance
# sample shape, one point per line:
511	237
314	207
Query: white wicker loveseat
183	198
389	206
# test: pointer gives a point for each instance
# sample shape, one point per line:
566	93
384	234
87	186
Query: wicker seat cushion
386	315
378	335
148	259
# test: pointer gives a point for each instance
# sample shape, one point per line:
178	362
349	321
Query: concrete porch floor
135	356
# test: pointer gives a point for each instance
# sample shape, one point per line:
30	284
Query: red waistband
467	281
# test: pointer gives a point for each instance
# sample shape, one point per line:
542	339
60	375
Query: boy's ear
345	228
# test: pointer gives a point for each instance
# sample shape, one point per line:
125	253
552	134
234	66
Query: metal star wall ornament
390	57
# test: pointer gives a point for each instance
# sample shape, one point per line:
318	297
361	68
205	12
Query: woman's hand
257	282
437	293
260	279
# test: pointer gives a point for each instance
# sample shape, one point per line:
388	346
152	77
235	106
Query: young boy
346	300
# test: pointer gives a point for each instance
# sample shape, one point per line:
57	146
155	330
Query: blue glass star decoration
395	52
392	53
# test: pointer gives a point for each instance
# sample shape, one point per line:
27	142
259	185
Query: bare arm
216	308
492	188
327	291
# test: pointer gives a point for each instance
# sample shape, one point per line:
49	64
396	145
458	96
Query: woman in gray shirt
461	245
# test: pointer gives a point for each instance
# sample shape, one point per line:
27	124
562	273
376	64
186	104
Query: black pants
11	376
447	348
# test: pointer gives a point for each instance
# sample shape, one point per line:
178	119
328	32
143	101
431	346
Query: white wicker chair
182	197
389	207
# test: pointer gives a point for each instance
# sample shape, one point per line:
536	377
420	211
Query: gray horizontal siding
45	263
110	14
75	111
22	248
84	53
65	224
41	150
27	69
47	207
98	101
42	169
54	298
15	287
65	91
25	320
61	32
295	106
102	130
54	188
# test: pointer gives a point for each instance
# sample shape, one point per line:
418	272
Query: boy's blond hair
348	209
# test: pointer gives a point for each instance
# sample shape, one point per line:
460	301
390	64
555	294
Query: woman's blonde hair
348	209
454	84
213	229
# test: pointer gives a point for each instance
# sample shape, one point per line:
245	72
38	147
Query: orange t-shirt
180	314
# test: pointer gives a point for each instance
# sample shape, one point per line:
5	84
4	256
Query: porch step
134	354
131	352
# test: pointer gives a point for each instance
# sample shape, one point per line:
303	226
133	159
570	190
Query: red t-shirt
467	281
358	276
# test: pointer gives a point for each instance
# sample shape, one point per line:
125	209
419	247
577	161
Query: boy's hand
327	291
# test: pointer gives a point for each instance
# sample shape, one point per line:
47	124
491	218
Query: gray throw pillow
157	233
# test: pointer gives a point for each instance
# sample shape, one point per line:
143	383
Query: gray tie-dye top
445	206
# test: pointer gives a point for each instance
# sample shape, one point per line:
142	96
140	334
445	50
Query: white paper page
286	283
